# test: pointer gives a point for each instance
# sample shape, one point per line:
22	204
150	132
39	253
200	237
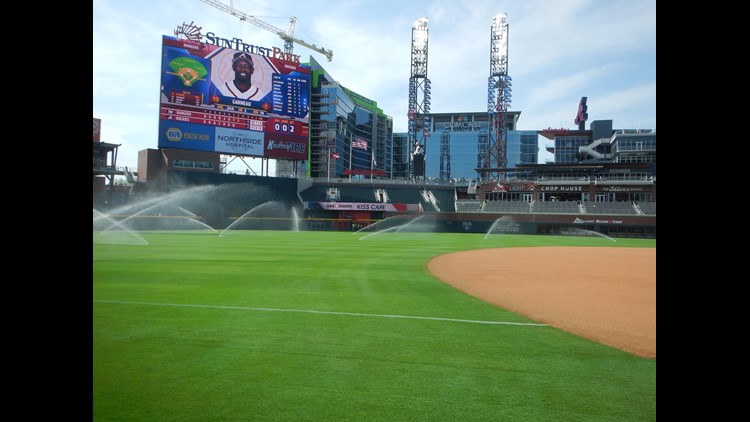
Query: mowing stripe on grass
322	312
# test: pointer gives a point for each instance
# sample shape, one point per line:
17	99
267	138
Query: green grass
305	326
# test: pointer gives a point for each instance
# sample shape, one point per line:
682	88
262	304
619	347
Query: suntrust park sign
238	44
193	33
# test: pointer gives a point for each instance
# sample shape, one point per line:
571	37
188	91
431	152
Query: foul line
241	308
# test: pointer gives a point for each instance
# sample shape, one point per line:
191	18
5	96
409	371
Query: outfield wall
236	195
613	226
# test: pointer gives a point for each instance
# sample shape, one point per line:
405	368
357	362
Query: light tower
419	100
493	154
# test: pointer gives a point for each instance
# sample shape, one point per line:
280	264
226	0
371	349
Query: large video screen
232	102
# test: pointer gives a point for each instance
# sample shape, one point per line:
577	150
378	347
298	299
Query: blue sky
558	52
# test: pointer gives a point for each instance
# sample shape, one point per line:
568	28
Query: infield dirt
607	295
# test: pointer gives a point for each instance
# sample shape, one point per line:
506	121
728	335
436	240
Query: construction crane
287	36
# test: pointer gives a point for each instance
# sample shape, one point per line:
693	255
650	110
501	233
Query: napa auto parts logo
191	32
174	134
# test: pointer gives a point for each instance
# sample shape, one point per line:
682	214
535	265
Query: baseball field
393	326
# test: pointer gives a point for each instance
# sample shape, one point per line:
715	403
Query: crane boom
287	36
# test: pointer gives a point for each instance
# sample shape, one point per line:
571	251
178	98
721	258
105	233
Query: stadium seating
556	207
610	208
468	205
647	208
506	207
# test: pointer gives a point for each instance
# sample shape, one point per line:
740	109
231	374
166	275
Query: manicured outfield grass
310	326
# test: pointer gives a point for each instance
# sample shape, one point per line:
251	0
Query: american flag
359	143
335	155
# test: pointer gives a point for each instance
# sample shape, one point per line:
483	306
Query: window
192	164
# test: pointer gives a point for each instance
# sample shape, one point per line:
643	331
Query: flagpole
372	163
328	160
351	143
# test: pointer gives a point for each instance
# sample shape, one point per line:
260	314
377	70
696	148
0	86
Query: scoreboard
201	109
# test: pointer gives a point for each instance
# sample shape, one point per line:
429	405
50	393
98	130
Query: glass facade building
453	149
634	146
523	147
567	148
350	137
601	143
